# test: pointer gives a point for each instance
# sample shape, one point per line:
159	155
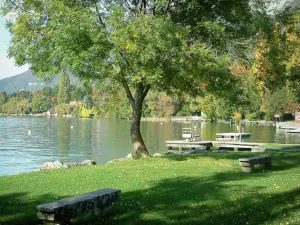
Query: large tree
167	45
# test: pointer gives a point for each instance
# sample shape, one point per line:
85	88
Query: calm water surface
27	142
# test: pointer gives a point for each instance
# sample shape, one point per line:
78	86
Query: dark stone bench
247	164
61	211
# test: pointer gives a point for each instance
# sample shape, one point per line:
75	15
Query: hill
27	81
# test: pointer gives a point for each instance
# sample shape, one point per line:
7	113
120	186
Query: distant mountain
27	81
294	4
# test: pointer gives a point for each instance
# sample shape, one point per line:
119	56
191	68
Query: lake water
27	142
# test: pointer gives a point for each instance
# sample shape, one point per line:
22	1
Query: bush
252	116
208	106
183	113
64	109
85	112
237	116
40	103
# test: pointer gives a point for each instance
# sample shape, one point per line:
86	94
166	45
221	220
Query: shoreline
167	119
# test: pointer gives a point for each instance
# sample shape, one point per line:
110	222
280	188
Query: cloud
8	67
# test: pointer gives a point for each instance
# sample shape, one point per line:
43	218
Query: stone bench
61	211
247	164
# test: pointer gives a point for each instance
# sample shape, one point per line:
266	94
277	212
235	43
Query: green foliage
48	91
77	94
16	105
87	101
40	103
10	106
64	109
158	104
23	107
55	90
208	106
278	102
252	116
3	98
149	49
64	89
224	109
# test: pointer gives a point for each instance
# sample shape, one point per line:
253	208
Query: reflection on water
98	139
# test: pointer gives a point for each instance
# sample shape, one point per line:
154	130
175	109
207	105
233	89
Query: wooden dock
231	136
183	144
293	131
234	146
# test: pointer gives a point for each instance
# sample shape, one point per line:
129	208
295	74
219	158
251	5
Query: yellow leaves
237	116
295	60
130	46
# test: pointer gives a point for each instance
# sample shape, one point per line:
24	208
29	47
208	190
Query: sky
7	65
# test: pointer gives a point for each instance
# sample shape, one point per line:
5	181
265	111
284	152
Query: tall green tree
64	89
3	98
161	45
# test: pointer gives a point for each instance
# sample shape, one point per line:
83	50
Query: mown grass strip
200	189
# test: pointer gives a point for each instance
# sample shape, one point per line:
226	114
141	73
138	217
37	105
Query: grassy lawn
203	189
280	146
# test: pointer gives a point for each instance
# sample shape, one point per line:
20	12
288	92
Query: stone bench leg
51	219
247	169
268	165
64	222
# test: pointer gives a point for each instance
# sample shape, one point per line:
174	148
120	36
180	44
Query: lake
27	142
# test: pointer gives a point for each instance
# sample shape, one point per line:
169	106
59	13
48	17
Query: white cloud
8	67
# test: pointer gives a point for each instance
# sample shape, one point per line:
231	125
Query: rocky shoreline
58	164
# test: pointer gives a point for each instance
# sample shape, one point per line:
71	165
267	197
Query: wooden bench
61	211
247	164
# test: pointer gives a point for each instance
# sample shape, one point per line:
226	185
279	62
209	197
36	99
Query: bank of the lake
199	189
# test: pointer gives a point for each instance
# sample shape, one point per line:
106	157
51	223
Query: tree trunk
136	103
138	144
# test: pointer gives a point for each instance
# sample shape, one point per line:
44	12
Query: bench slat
255	158
86	200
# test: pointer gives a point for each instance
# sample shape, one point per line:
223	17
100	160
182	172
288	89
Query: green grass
275	146
203	189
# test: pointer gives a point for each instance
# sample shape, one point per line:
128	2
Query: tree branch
128	6
98	14
128	92
168	6
145	91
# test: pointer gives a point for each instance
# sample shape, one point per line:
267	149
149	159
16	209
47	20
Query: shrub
252	116
237	116
64	109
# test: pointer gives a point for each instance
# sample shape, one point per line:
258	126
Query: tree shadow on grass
224	198
280	161
20	209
